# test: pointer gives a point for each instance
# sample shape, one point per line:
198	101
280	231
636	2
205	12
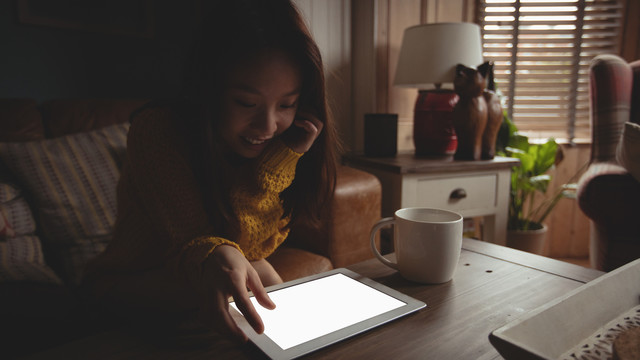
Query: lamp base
433	131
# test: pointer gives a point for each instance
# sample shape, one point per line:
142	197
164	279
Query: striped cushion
15	212
5	226
21	259
72	183
8	191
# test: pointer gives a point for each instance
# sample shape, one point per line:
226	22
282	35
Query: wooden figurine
494	115
469	113
477	115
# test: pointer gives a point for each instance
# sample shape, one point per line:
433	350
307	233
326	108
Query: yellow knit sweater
161	217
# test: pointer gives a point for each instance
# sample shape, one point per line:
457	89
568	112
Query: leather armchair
607	193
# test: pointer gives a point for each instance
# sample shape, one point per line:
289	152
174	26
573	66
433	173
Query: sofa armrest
609	195
344	235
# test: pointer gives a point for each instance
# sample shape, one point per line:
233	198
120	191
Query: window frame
565	118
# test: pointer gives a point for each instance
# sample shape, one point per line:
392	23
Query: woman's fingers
307	129
228	323
241	297
311	129
227	273
258	290
309	122
214	312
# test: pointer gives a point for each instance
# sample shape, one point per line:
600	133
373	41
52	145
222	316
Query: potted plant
525	228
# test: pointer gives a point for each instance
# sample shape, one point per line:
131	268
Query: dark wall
47	62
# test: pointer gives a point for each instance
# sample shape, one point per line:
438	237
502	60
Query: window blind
542	50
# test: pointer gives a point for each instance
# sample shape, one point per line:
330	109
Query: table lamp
428	57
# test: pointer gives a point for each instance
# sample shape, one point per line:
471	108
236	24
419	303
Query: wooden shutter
542	50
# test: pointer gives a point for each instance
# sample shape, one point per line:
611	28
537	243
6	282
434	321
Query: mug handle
374	230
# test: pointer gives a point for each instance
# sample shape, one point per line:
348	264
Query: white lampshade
430	53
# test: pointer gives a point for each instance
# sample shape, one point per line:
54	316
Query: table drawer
458	193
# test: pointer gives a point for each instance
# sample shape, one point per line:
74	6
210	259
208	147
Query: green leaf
545	156
540	182
527	162
519	141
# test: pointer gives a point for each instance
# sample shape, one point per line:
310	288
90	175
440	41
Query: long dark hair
233	31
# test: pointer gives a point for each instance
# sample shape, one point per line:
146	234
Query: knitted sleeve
277	167
168	190
260	210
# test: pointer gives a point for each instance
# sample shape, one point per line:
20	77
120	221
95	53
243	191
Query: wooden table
471	188
493	286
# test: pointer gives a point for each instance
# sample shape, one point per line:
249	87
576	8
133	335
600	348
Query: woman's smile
256	141
261	102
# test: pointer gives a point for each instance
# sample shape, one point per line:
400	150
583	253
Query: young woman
213	181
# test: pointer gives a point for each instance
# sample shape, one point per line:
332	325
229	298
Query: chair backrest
610	85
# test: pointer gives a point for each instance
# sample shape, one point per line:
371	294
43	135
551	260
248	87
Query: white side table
471	188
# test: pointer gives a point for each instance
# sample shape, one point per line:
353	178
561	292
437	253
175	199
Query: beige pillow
22	260
15	212
21	256
71	182
628	152
5	228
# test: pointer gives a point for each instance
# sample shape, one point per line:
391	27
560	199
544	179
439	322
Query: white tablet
322	309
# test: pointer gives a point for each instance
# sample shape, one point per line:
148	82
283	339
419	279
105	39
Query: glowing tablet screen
312	309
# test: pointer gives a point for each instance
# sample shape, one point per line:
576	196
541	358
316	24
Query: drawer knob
458	194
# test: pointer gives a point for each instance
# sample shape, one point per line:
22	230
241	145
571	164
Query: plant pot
528	240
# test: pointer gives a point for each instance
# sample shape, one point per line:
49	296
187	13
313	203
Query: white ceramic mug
427	243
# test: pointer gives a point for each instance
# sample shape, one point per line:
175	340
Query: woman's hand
228	273
303	132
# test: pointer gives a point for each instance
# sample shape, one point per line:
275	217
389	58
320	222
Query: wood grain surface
492	286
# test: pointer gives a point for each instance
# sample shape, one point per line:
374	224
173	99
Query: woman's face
260	102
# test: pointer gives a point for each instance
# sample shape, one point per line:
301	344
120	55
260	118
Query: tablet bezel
271	349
